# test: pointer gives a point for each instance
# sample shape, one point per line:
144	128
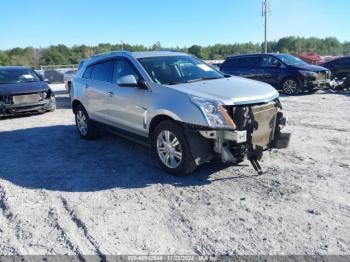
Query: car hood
230	91
312	68
23	88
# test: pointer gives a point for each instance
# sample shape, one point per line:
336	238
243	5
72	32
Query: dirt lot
62	195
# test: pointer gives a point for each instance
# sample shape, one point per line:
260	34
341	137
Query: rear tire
69	89
171	149
86	129
313	91
290	86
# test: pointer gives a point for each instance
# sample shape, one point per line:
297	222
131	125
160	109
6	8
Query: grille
321	75
265	120
263	126
24	99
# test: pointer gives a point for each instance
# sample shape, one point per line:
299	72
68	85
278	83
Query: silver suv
187	111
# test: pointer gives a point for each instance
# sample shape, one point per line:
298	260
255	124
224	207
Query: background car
283	71
67	78
339	67
22	90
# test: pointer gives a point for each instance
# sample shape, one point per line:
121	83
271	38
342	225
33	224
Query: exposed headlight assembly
308	73
214	112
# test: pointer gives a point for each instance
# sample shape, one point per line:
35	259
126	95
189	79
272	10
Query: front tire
86	129
170	148
290	86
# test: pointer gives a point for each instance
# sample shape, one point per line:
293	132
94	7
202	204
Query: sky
40	23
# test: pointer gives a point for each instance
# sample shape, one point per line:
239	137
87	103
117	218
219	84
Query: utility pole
265	12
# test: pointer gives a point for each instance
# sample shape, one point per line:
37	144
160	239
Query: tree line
63	55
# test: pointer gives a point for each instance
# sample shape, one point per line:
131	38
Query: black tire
91	130
69	89
290	86
346	83
313	91
187	164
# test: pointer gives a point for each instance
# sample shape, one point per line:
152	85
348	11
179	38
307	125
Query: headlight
308	73
214	112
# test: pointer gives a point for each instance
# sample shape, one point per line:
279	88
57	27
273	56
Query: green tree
4	59
196	50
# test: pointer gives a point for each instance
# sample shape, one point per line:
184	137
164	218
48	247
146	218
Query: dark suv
340	67
283	71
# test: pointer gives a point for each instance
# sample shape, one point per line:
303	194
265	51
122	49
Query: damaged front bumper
259	131
48	104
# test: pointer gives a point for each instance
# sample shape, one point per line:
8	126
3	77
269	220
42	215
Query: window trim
101	62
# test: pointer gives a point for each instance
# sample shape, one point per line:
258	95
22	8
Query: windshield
21	75
291	60
172	70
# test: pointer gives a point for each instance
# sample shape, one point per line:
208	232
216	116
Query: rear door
97	89
244	66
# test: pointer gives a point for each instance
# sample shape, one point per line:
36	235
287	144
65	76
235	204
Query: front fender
173	104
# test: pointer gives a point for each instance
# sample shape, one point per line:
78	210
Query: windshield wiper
202	79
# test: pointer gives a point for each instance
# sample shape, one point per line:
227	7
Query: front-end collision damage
25	103
258	128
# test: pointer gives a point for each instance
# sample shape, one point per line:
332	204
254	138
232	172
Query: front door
271	69
126	103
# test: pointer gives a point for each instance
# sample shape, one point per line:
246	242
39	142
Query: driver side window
269	62
123	68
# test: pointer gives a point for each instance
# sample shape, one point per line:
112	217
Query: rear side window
242	62
102	71
87	73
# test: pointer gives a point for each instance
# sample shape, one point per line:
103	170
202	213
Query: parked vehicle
184	109
340	67
284	72
67	78
346	83
216	65
22	90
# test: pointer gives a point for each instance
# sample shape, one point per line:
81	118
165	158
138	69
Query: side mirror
130	81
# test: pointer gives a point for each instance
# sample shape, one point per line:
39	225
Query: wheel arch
158	119
297	79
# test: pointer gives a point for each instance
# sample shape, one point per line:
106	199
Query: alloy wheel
290	87
82	123
169	149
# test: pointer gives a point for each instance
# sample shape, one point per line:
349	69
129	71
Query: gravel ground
62	195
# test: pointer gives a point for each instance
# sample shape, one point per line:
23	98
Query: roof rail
172	50
110	53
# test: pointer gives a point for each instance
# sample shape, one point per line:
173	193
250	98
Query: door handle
110	94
